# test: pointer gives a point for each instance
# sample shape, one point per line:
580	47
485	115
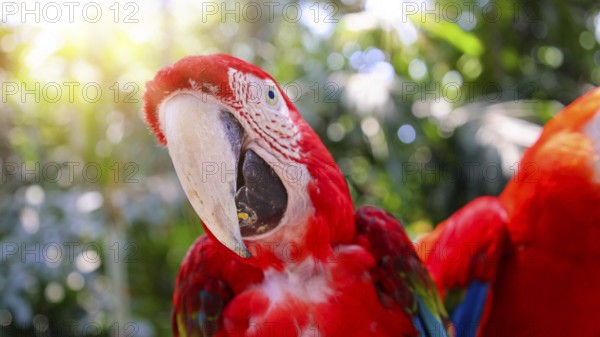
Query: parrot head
557	185
254	171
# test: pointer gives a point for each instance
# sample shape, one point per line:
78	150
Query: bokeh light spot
407	134
417	69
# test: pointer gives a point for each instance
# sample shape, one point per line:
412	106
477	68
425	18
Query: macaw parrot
284	254
528	262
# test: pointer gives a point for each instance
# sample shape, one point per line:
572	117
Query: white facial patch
264	113
592	130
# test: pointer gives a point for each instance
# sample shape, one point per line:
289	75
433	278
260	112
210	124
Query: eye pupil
271	94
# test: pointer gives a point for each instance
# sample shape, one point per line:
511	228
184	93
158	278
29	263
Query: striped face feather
263	112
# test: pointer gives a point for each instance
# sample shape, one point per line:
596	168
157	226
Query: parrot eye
271	95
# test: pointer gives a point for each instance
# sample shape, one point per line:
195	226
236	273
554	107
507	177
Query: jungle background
425	105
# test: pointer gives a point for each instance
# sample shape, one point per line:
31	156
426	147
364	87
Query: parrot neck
555	217
551	201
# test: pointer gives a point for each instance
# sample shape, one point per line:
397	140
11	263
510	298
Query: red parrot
284	254
528	262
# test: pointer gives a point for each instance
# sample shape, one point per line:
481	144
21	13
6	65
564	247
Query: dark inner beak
260	197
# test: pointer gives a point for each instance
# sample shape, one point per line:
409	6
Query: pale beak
204	142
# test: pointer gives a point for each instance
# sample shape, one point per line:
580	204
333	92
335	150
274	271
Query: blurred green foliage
406	95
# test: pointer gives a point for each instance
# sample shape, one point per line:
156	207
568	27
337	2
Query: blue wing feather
467	315
427	323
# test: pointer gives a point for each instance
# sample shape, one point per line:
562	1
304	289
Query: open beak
205	142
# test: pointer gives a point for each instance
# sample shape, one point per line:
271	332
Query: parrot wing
209	278
400	276
462	254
